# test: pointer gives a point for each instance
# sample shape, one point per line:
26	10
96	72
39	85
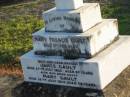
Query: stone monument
77	48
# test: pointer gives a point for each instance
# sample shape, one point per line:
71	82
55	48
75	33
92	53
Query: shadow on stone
26	89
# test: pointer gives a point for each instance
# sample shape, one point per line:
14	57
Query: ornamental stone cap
68	4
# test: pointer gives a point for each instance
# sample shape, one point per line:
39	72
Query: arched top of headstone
68	4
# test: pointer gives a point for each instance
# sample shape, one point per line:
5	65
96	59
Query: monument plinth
77	48
85	45
94	73
74	21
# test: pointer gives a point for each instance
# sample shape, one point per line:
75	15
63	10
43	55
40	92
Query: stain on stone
44	90
73	53
73	29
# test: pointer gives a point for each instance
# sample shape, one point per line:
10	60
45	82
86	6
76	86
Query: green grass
18	22
16	36
122	13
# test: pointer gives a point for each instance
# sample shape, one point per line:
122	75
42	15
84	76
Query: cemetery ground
18	21
13	86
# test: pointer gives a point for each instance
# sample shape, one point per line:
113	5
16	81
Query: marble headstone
94	73
72	21
73	33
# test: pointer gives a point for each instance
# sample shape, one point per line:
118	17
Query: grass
17	23
122	13
16	35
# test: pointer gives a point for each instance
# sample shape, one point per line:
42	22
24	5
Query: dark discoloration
73	29
44	90
72	53
70	20
39	38
67	53
68	47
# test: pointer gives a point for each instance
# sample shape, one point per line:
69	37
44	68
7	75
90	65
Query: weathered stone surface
76	21
7	83
95	73
42	90
75	45
68	4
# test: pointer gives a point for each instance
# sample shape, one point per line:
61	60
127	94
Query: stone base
72	21
76	45
95	73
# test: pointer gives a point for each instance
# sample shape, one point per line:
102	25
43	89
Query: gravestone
77	48
75	21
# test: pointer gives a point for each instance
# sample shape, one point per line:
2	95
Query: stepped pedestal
73	33
76	45
94	73
74	21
